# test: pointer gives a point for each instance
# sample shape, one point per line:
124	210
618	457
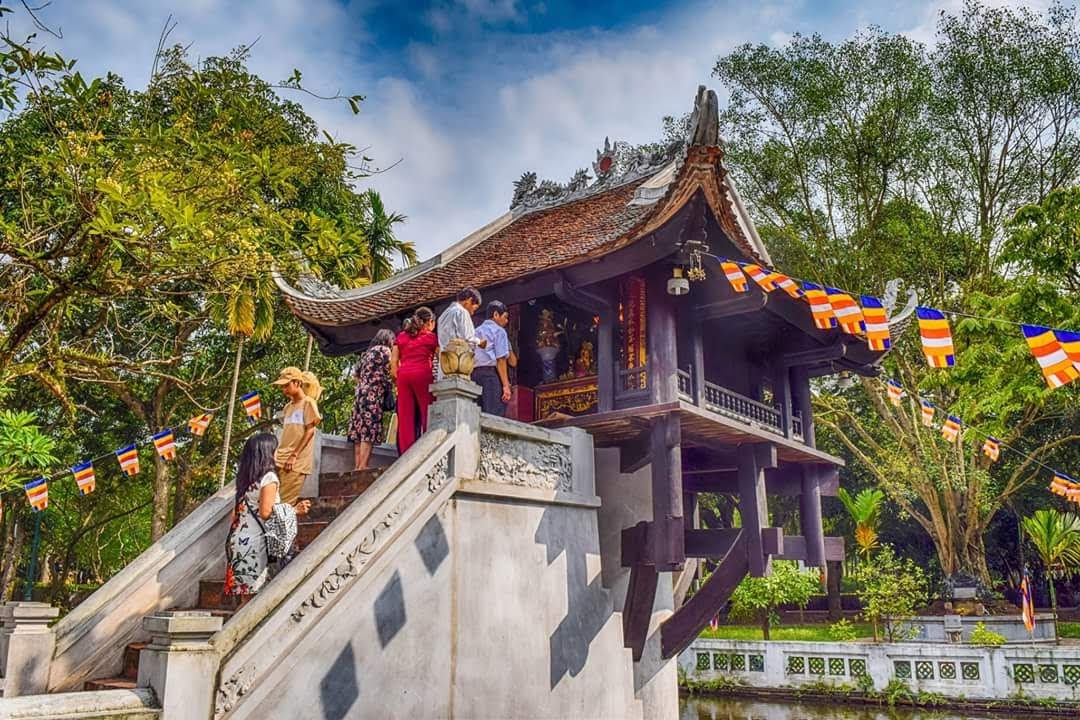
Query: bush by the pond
980	635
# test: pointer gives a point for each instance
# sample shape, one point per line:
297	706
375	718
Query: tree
890	588
1056	538
757	598
382	243
865	511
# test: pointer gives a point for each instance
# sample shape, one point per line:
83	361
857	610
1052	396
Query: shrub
843	631
981	636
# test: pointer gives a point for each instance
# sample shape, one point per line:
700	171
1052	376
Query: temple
625	326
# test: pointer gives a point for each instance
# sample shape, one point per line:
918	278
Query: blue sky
468	94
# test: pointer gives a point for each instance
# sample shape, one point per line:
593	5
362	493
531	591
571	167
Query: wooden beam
662	332
638	609
686	623
834	351
782	395
748	303
634	545
810	517
753	505
800	394
636	454
772	540
786	480
697	358
795	549
710	543
666	532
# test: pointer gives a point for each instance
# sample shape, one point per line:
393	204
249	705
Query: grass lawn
1069	629
816	633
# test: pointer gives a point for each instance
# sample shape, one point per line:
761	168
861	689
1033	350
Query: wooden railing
686	386
632	383
732	404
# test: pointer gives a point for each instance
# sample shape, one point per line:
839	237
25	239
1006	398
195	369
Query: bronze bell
457	358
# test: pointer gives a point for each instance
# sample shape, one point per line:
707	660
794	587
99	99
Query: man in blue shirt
490	369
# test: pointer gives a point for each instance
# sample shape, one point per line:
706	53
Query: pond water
698	708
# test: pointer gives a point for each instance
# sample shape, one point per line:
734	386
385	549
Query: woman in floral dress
248	564
372	383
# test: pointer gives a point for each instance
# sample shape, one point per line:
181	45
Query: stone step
353	482
307	531
117	683
131	659
325	509
212	596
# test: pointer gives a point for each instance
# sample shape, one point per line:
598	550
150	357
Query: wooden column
800	389
753	459
782	395
666	541
661	328
697	345
605	360
810	516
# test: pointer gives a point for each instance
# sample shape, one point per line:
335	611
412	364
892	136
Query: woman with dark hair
373	382
248	566
411	363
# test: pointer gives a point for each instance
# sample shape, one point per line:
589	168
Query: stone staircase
336	492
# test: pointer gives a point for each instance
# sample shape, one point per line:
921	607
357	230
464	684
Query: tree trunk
835	571
1053	607
765	626
160	512
13	541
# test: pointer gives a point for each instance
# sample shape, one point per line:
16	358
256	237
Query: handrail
726	402
686	385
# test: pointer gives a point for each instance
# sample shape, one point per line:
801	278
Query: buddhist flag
1066	487
820	308
877	323
37	492
252	406
950	429
936	338
846	310
1057	367
84	477
761	277
1027	605
896	392
1070	343
992	448
129	459
734	275
787	285
165	443
927	413
197	425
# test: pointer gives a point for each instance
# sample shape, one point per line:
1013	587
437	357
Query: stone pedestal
455	407
26	647
179	664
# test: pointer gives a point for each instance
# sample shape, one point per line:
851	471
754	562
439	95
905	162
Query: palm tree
865	510
383	245
1056	537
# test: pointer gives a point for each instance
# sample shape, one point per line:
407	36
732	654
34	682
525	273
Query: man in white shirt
456	321
490	370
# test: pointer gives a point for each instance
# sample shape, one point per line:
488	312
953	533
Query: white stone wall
957	671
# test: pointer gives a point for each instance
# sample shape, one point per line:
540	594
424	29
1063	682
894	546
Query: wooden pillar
661	328
666	534
800	388
697	346
605	360
810	516
782	395
753	459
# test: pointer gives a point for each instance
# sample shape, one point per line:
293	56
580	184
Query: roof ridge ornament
705	119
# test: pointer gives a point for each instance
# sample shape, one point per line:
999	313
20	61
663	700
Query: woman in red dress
411	363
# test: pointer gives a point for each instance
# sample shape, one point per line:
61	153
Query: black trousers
491	400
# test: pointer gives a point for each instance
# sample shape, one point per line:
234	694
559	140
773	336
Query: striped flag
1057	367
936	338
950	429
165	444
734	275
1027	605
992	448
927	413
759	276
1066	487
846	310
252	406
877	323
37	492
129	459
1070	343
84	477
820	308
787	285
896	392
197	425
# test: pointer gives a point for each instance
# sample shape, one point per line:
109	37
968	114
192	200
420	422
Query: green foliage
382	243
897	691
843	631
1056	538
891	587
757	598
865	510
980	635
23	447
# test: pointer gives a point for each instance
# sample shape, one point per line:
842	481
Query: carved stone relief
529	463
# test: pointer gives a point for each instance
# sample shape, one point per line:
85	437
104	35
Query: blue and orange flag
37	492
128	457
762	278
950	429
165	444
992	448
1066	487
1070	343
786	284
876	323
84	477
734	276
936	337
820	308
1027	605
896	392
197	425
1057	367
846	310
252	406
927	412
